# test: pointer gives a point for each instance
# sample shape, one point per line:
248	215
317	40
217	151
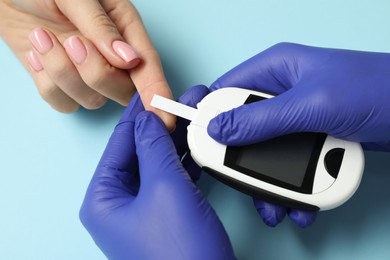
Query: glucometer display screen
285	158
288	161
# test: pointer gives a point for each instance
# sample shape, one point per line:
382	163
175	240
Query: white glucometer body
311	171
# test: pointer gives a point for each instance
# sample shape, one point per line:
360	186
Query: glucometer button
333	160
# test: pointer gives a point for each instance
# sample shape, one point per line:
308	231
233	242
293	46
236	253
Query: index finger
148	76
272	71
94	23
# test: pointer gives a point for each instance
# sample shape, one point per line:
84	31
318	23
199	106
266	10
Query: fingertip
271	214
194	95
215	85
216	130
41	40
302	218
147	126
232	127
34	61
126	53
70	108
168	119
134	62
151	138
133	109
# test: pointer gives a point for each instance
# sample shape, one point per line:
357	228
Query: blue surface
47	158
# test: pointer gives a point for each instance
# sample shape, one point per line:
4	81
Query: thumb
287	113
92	20
157	155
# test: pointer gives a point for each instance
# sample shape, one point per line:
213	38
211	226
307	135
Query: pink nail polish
34	61
75	49
125	51
40	40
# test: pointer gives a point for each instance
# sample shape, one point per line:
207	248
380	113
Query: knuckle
320	99
94	102
68	109
59	70
46	91
150	53
99	78
285	46
85	215
102	21
57	99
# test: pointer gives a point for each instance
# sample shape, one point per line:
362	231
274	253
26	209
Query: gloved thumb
286	113
94	23
157	155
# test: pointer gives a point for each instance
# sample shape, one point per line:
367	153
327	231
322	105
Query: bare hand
84	52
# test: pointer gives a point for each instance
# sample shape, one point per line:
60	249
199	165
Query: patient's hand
84	52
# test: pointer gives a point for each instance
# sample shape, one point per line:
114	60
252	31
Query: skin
66	84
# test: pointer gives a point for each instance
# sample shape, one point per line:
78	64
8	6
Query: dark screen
284	159
287	161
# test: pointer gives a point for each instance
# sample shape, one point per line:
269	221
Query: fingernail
126	52
75	49
40	40
34	61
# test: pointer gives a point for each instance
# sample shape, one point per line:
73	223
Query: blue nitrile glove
141	202
340	92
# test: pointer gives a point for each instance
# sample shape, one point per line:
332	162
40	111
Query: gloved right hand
340	92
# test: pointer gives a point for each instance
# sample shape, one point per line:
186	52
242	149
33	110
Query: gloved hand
340	92
142	203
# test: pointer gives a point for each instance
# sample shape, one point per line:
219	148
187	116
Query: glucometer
310	171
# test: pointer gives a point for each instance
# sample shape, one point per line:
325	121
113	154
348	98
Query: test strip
173	107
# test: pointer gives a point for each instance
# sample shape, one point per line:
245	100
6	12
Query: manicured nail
75	49
40	40
125	51
34	61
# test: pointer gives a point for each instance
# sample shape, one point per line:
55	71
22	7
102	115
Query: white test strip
173	107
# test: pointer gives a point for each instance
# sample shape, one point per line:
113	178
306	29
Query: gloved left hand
142	203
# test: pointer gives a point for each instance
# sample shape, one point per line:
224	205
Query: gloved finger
190	98
106	79
280	115
118	154
191	167
302	218
378	146
157	155
119	160
116	179
271	214
272	71
62	71
94	23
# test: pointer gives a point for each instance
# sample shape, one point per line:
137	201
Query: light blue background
47	158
